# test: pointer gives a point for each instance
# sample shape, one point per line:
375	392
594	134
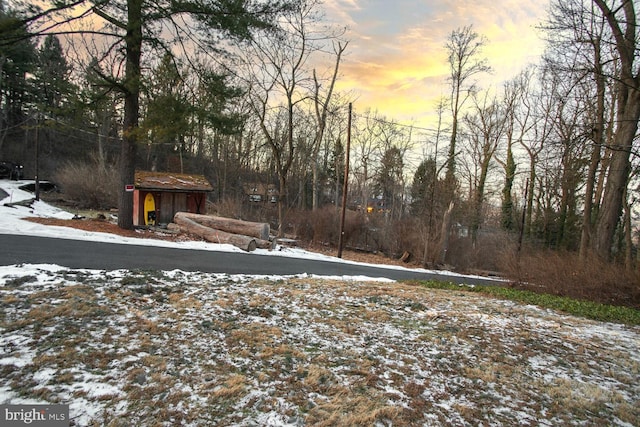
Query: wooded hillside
544	161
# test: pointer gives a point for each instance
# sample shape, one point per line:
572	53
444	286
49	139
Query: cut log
210	235
258	230
246	243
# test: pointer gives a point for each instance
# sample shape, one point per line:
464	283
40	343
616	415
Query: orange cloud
396	61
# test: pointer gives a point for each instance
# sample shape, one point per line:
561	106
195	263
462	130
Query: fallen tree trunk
246	243
234	226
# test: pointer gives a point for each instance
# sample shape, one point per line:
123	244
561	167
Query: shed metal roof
168	181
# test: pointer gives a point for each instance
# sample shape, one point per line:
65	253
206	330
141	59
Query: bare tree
623	24
485	125
464	47
578	48
429	195
280	82
561	149
518	124
572	152
597	113
366	147
535	143
334	151
322	104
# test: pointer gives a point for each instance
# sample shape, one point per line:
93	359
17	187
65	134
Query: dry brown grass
351	408
233	386
207	350
230	208
179	301
565	274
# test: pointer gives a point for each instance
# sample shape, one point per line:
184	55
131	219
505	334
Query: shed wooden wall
167	204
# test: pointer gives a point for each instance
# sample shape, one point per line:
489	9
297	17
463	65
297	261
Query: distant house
260	193
377	205
157	196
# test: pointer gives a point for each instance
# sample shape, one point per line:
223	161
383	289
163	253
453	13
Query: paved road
17	249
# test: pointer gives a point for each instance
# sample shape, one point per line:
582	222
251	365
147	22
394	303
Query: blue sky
396	60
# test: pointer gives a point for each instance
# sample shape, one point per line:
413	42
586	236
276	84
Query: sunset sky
396	61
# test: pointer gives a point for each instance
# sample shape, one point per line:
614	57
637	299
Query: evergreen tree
336	169
423	187
53	88
212	104
166	120
99	105
17	61
389	181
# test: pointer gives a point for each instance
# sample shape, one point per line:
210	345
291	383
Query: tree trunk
314	182
618	175
281	201
596	154
446	231
587	221
628	114
479	199
133	73
628	240
322	109
529	201
451	158
229	225
508	220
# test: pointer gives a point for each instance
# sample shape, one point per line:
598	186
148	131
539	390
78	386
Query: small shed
157	196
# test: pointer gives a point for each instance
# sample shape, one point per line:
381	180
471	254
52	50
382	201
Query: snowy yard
175	348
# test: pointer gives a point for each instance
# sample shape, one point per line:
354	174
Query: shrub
565	274
89	185
487	254
323	225
228	207
396	237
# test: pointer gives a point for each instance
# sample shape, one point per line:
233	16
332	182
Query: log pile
245	235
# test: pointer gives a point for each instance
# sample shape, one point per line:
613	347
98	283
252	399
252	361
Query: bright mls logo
34	415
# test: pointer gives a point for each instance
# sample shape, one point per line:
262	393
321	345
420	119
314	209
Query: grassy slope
152	348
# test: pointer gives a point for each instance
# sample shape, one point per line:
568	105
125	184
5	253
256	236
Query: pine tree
423	187
166	119
17	61
53	88
389	181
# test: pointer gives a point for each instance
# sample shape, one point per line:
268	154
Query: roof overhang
167	181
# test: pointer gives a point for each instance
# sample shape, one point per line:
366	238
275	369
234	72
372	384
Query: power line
394	123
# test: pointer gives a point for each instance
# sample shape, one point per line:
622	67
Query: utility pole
345	184
37	159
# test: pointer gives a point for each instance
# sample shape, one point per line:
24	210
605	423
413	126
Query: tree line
245	92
